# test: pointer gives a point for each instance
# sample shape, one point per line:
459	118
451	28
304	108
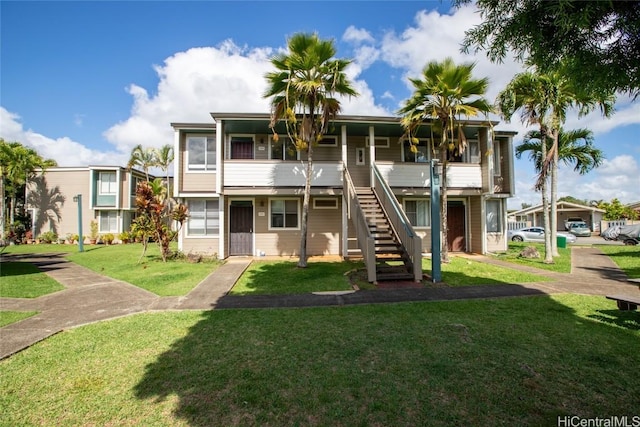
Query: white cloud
357	35
64	151
435	36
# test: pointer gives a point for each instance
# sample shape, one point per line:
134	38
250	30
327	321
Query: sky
83	82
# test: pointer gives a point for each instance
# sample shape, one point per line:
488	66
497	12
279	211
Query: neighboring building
636	207
244	189
108	197
533	215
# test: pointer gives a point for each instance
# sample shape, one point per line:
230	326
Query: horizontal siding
323	234
207	246
273	173
418	175
198	182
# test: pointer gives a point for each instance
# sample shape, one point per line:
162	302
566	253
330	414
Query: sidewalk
90	297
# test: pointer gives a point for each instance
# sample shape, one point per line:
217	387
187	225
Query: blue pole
436	262
80	237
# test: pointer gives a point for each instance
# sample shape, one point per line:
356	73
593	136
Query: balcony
274	173
416	175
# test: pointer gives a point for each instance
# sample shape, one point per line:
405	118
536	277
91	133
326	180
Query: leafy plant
94	230
125	237
48	237
108	238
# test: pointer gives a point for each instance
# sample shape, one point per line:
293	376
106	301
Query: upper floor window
496	158
421	154
107	183
380	141
282	149
418	212
469	154
204	218
284	213
201	153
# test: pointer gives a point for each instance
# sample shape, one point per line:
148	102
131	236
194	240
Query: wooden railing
365	239
400	223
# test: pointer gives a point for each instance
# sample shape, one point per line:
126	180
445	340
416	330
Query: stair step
389	252
383	277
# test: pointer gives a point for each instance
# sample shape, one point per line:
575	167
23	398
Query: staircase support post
436	262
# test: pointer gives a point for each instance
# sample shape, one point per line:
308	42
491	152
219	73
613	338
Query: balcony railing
460	175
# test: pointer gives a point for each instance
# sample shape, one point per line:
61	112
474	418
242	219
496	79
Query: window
472	153
420	156
325	203
241	147
282	149
328	141
418	212
134	185
284	213
204	218
496	158
494	216
201	153
361	156
380	141
107	183
108	221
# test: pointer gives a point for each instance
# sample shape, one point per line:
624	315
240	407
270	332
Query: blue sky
84	82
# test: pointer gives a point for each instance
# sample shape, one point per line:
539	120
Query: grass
561	264
24	280
8	317
40	248
283	277
521	361
626	257
174	278
462	271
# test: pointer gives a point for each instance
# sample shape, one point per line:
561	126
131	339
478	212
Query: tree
615	210
597	42
302	91
152	217
17	164
544	99
575	147
445	93
574	200
163	159
143	157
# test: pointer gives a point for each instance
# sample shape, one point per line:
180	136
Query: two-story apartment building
108	197
244	189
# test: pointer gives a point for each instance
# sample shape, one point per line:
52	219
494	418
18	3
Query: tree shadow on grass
625	319
451	363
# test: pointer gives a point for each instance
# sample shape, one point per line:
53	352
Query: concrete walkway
90	297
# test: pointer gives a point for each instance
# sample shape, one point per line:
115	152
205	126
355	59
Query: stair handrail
366	242
399	221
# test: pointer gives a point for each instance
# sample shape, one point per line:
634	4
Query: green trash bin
562	241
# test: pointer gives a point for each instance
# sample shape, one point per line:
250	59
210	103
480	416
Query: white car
534	234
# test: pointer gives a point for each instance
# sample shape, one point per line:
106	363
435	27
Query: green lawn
626	257
7	317
173	278
40	248
562	264
283	277
462	271
516	361
24	280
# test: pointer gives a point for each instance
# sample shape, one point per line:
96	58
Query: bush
48	237
125	237
107	238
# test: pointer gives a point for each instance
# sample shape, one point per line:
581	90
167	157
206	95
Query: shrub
107	238
48	237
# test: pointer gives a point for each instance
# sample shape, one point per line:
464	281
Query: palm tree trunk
548	254
302	261
554	195
444	251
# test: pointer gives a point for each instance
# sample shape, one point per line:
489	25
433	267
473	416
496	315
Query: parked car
628	234
571	220
535	234
580	229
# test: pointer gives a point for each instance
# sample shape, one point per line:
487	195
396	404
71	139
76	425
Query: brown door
241	228
242	148
455	231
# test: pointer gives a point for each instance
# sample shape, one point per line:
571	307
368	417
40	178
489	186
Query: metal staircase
392	262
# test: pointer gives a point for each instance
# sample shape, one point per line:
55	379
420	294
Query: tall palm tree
143	157
575	147
544	100
163	158
302	90
446	92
